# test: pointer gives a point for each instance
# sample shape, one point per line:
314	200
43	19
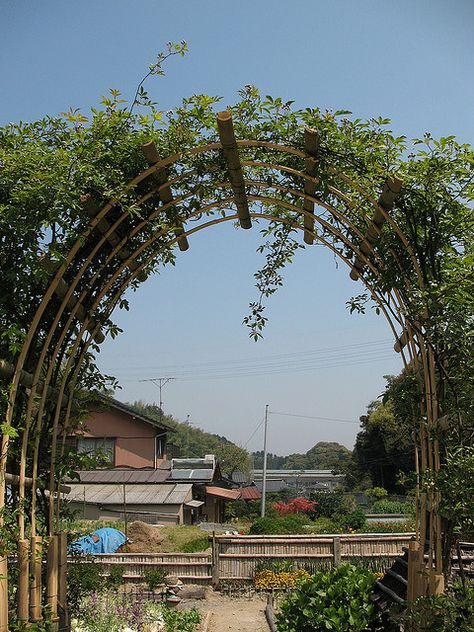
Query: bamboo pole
52	580
413	570
225	127
35	586
164	193
23	580
7	371
3	594
62	577
311	143
392	188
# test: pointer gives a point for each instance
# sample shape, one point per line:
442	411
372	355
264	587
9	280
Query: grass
184	538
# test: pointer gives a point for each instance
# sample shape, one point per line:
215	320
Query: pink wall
135	439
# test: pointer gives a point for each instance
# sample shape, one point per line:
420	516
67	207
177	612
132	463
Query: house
301	481
126	437
139	480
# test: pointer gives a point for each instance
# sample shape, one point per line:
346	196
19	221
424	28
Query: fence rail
234	558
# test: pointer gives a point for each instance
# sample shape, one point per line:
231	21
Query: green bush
115	577
444	613
154	577
194	546
377	492
328	503
337	600
386	506
323	525
350	522
84	579
289	524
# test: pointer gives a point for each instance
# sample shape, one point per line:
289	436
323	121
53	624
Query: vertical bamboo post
413	571
3	595
35	586
437	584
23	580
215	561
62	576
336	551
52	581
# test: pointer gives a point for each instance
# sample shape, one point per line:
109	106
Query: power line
347	421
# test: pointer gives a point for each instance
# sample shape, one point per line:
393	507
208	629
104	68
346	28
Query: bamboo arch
116	249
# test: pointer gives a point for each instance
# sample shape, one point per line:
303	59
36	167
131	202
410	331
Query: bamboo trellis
116	249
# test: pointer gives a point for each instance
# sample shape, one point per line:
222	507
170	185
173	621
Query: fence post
413	570
35	586
3	594
62	579
52	581
215	561
336	551
23	580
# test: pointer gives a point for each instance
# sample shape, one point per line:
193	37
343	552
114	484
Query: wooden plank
225	128
336	551
165	194
311	143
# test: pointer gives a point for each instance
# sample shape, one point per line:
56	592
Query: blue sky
409	61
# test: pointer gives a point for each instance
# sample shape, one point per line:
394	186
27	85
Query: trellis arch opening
171	200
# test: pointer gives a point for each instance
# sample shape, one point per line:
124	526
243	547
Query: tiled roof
220	492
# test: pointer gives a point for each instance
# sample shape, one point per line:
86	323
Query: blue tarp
106	540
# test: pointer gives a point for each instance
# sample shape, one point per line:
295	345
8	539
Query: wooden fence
234	558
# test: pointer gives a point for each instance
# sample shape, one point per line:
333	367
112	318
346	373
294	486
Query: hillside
324	455
187	441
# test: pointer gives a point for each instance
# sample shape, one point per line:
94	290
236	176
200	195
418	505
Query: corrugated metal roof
124	476
250	493
113	494
220	492
194	475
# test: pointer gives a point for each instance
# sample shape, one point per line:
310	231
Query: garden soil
143	538
235	614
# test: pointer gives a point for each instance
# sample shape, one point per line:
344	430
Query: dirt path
236	615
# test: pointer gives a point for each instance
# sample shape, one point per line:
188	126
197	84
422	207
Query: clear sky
408	60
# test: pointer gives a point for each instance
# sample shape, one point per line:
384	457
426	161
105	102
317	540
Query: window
160	446
104	446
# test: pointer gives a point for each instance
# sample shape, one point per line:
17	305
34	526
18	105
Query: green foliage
353	521
154	577
444	613
337	600
84	579
290	524
181	620
324	455
115	577
328	503
377	492
195	546
392	507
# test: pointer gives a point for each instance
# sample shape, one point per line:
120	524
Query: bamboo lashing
7	371
165	194
62	289
392	188
103	226
225	127
311	143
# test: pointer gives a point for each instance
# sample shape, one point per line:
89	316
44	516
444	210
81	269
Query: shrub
444	613
327	504
115	577
295	506
351	521
323	525
194	546
290	524
386	506
377	492
84	579
154	577
336	600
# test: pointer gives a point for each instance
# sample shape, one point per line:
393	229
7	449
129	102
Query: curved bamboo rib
392	188
311	143
225	128
164	191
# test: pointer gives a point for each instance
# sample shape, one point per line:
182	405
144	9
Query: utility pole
160	382
264	480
